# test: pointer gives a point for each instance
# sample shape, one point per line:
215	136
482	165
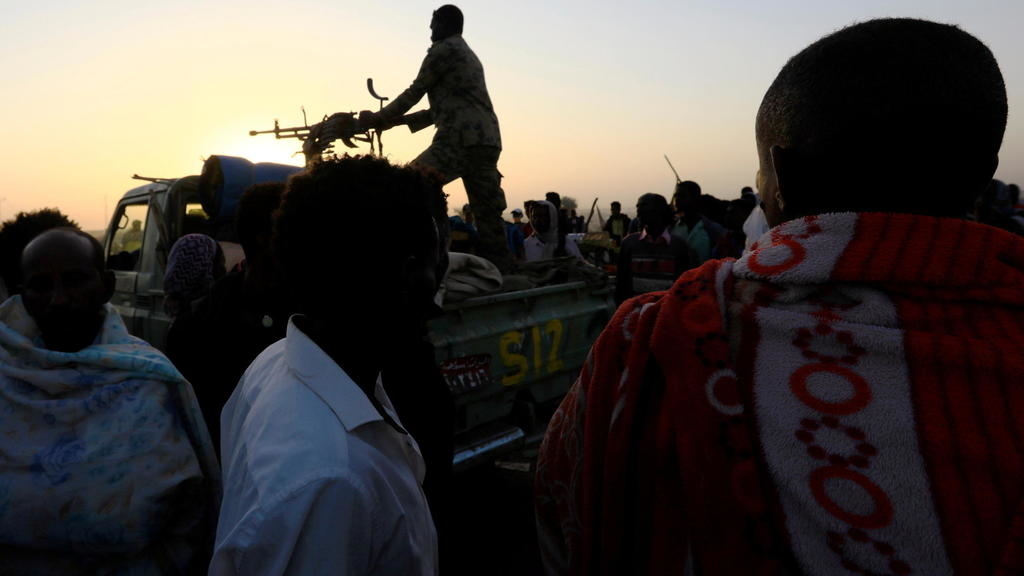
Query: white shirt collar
327	380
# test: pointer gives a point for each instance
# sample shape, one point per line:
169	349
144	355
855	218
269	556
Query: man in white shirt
320	475
543	243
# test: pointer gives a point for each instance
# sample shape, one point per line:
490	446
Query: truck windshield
195	220
126	244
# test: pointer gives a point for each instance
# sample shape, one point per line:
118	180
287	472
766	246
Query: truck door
127	248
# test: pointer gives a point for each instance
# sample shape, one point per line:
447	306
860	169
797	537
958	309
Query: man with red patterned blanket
845	398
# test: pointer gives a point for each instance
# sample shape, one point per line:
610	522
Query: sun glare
263	148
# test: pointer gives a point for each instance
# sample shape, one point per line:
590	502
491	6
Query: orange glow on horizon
588	103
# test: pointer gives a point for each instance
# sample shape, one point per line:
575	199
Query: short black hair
658	204
306	225
16	233
653	199
555	198
254	222
894	115
616	204
687	187
451	16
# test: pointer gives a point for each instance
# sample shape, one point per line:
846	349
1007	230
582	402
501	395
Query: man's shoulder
274	455
452	50
269	365
277	429
449	45
453	42
270	393
263	416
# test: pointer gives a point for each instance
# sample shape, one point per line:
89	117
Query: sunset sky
590	95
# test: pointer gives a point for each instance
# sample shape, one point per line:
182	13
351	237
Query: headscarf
550	236
190	270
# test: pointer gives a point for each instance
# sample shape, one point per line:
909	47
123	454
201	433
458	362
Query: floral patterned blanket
106	465
844	399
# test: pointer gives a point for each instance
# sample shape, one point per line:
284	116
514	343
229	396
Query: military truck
506	357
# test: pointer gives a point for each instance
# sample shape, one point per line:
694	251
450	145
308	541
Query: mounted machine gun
319	138
316	139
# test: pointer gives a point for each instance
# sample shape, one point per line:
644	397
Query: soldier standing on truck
467	143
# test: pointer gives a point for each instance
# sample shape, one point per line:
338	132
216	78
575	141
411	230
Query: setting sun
588	103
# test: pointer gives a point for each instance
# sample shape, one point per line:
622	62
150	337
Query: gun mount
318	139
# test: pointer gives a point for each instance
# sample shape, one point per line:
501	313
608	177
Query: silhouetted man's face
433	29
424	270
687	201
540	218
652	214
64	290
440	28
616	209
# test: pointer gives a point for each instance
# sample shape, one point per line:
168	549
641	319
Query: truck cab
150	218
141	232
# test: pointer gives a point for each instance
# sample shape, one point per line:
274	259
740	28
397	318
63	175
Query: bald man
105	462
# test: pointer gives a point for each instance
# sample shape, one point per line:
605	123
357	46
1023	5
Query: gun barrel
301	132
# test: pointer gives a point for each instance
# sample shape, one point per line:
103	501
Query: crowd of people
837	395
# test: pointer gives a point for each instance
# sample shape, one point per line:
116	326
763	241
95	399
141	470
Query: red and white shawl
847	398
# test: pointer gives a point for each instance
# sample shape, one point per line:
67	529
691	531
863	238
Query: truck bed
505	355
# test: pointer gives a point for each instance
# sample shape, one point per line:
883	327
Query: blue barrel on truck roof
225	178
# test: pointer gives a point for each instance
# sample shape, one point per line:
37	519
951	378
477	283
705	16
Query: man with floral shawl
105	463
846	397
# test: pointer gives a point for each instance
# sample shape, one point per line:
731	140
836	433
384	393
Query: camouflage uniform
467	143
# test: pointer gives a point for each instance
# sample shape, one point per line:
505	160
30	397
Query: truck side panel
526	345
